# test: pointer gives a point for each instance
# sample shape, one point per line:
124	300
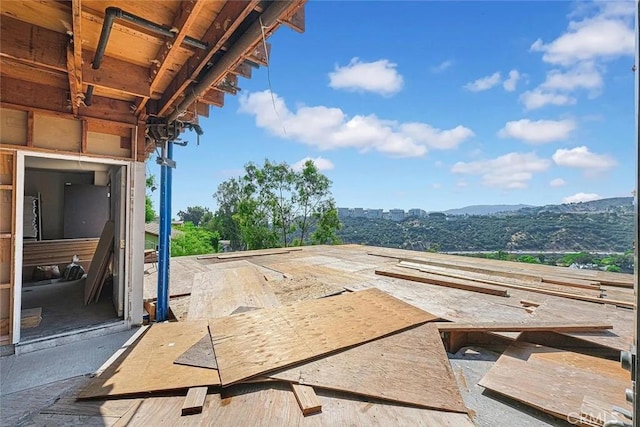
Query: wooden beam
75	72
307	399
109	109
109	128
33	45
243	70
213	97
29	128
194	401
259	55
229	84
75	86
183	21
118	75
202	109
85	129
521	327
29	94
230	17
296	21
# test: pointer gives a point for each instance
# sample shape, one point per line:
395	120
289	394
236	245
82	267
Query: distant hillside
485	209
608	231
614	204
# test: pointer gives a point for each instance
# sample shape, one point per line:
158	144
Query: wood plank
307	399
147	366
33	45
95	275
217	293
556	381
520	327
410	367
435	279
30	317
200	355
194	401
244	404
110	73
257	342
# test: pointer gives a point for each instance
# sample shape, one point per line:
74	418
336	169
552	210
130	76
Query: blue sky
435	105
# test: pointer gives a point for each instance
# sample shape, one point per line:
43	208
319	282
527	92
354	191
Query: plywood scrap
217	293
30	317
595	413
307	399
436	279
194	401
409	367
249	344
147	366
520	327
200	354
556	381
99	263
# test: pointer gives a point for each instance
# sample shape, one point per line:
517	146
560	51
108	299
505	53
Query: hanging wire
266	52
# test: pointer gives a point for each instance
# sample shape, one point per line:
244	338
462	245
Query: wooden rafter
227	21
74	57
187	15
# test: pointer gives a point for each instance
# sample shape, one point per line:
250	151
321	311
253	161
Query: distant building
344	212
358	213
418	213
396	214
374	213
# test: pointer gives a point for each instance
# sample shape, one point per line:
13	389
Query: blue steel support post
162	304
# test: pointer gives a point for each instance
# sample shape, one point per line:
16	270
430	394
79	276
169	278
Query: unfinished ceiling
133	61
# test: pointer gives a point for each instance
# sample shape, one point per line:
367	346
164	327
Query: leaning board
253	343
556	381
409	367
148	365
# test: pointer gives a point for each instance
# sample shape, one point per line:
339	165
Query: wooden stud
194	401
307	399
228	20
29	128
85	129
75	71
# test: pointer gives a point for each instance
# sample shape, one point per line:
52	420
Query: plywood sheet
219	292
200	354
253	343
299	288
408	367
99	263
556	381
274	404
148	365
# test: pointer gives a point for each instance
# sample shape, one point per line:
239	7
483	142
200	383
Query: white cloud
582	158
581	197
603	36
510	171
330	128
442	66
558	182
321	163
538	132
510	84
484	83
436	186
379	77
583	76
537	98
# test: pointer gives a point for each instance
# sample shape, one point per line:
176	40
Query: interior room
66	206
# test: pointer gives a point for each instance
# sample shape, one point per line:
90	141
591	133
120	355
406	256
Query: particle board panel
57	133
13	126
260	341
148	365
200	354
410	367
556	381
217	293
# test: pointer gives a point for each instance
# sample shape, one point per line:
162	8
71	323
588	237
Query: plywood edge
307	399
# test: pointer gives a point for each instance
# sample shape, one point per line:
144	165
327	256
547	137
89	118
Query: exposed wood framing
213	97
29	128
33	45
259	55
85	129
186	16
75	71
227	21
296	21
111	75
243	70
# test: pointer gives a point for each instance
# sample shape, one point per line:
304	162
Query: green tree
192	240
194	215
327	225
149	212
315	205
